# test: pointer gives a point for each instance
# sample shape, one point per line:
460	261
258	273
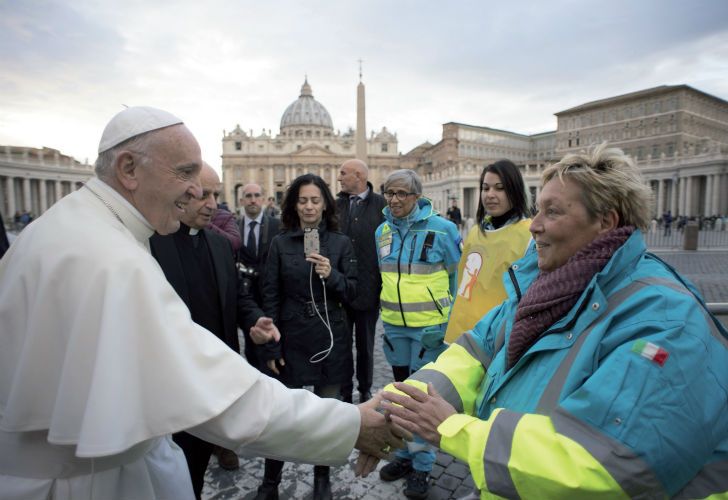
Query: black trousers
197	452
364	324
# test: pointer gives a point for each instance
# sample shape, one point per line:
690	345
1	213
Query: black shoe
321	488
365	396
396	469
418	485
267	491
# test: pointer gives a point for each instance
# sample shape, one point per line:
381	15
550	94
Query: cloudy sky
66	67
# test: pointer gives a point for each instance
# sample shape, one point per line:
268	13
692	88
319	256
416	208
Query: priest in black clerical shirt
200	267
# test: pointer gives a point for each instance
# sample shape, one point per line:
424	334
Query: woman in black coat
305	297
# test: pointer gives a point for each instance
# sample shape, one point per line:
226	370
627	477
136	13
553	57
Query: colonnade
692	195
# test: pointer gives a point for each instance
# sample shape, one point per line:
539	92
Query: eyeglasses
401	195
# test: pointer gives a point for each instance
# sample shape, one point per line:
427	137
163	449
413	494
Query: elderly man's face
169	179
348	178
562	226
252	200
200	211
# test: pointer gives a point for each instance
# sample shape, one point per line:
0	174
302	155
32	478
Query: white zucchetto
132	122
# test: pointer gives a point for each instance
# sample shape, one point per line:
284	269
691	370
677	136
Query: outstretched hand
264	331
416	411
377	436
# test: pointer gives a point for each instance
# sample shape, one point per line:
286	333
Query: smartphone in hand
310	241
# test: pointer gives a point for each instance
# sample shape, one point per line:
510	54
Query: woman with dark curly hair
305	293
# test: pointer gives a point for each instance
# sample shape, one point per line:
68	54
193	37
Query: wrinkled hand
264	331
273	365
418	412
377	437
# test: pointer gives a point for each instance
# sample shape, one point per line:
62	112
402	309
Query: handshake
378	436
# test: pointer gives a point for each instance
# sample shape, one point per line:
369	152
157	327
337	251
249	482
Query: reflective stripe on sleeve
442	384
497	454
711	481
632	473
471	345
461	370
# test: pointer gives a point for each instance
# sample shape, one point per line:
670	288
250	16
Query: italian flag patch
650	351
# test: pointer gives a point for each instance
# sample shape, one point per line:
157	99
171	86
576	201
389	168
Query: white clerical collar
132	218
194	231
258	219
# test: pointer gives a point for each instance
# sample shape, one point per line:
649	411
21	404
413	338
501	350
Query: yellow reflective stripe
545	463
711	482
392	267
464	438
464	372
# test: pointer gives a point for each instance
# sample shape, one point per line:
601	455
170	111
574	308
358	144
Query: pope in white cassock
100	361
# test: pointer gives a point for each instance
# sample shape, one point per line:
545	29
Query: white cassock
100	362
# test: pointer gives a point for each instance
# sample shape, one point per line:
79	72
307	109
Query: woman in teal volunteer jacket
602	375
418	256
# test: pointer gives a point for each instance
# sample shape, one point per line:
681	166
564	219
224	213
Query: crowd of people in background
543	338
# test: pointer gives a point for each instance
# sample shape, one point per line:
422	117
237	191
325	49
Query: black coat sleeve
343	277
271	297
247	308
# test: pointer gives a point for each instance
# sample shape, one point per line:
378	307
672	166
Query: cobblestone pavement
708	270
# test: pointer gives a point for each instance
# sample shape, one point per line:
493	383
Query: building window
298	147
670	149
238	145
385	147
655	151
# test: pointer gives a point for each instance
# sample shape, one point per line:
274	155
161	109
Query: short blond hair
609	180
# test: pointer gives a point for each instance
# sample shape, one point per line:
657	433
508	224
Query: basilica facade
305	143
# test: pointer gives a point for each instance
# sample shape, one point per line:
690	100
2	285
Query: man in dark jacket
199	265
257	230
360	213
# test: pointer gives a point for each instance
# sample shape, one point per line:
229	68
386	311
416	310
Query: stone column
689	197
43	196
12	208
673	196
270	188
27	205
715	199
59	190
681	195
708	199
660	197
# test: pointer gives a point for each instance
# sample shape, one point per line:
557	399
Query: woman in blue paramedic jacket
418	256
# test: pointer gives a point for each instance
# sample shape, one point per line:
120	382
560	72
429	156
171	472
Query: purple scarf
553	294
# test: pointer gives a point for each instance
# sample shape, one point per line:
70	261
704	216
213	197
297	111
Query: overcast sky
67	67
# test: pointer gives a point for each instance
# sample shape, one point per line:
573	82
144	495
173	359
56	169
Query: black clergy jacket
237	307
